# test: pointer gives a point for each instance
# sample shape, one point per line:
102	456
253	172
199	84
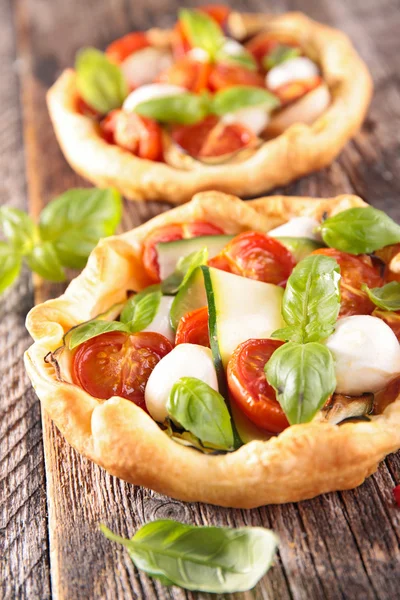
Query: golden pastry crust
301	149
302	462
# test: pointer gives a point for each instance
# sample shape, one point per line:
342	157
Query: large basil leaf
184	268
281	53
18	228
196	407
76	220
100	82
311	301
243	96
183	109
360	230
202	31
82	333
44	260
208	559
303	376
386	297
10	265
141	309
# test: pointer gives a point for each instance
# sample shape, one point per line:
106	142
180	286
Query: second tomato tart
235	102
228	352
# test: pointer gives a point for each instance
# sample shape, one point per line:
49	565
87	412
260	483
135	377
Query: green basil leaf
185	267
311	301
44	260
19	229
243	96
90	329
360	230
281	53
242	58
207	559
10	265
100	82
386	297
183	109
202	31
303	376
196	407
76	220
141	309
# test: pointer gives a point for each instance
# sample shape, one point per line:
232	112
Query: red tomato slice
170	233
139	135
193	328
84	109
355	270
224	76
296	89
262	45
119	364
219	12
188	73
191	137
125	46
256	256
249	387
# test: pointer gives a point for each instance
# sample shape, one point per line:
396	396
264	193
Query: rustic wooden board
342	545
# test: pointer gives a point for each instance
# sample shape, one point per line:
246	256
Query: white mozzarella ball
185	360
233	48
144	66
366	353
254	118
161	323
199	55
295	69
150	92
297	227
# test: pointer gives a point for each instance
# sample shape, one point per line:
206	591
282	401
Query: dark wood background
341	545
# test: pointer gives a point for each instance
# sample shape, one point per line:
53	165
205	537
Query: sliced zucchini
300	247
170	252
191	295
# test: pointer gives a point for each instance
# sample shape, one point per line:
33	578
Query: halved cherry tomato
188	73
249	387
119	364
262	45
125	46
170	233
223	76
256	256
355	270
296	89
84	109
193	328
139	135
180	43
219	12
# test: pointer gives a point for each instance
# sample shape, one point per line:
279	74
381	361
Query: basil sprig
207	559
202	31
303	376
243	96
100	82
183	109
69	228
311	301
183	270
281	53
360	230
386	297
197	408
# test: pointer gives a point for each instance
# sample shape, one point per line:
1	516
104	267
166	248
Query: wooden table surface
341	545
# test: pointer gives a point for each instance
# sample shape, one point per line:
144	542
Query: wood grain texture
343	545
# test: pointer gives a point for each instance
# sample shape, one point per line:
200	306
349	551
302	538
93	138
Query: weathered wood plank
337	546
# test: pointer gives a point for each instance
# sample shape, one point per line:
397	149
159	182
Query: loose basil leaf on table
201	31
44	261
386	297
207	559
242	96
360	230
100	82
303	376
10	266
19	229
182	109
281	53
184	268
76	220
311	301
141	309
196	407
82	333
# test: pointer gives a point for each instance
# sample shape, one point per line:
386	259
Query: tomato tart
230	352
235	102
